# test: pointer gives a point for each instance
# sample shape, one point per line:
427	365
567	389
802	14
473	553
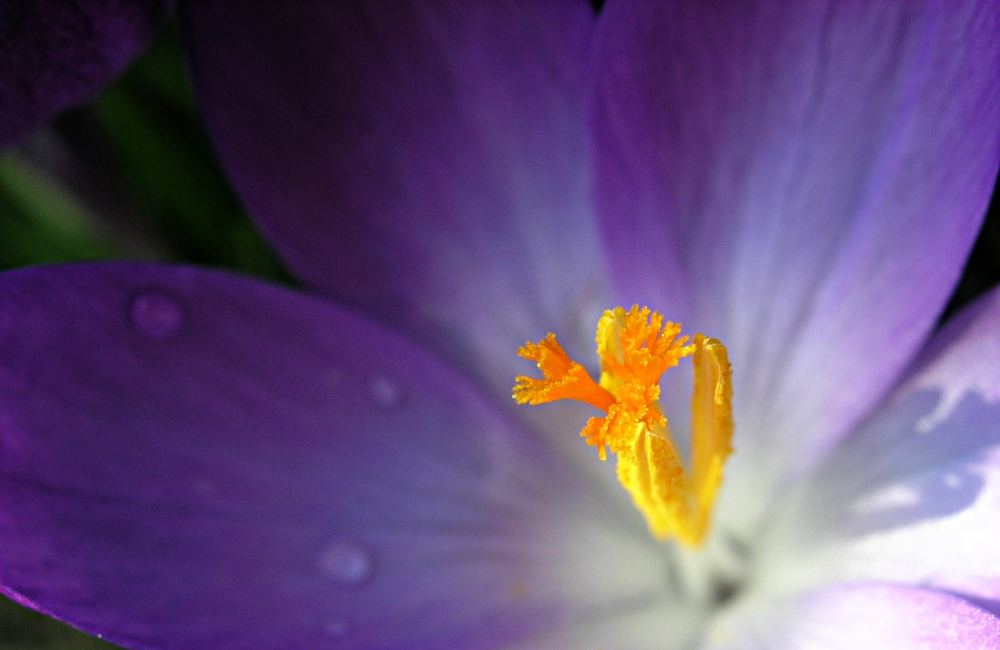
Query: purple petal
57	54
852	616
914	495
802	180
425	162
189	459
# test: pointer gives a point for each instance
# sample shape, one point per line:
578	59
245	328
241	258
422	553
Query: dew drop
156	314
385	392
336	628
346	563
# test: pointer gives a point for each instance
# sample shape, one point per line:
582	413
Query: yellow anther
635	348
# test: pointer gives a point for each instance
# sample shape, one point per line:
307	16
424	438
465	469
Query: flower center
635	348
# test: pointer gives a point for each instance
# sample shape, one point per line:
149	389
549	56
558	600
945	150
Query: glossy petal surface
57	54
852	616
913	496
190	459
424	161
802	180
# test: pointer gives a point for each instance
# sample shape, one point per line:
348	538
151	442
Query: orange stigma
635	349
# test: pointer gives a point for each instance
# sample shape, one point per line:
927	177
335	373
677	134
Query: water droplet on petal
346	563
336	628
156	314
385	392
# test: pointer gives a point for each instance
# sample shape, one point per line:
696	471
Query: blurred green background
132	176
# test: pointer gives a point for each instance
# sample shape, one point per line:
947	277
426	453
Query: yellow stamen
635	348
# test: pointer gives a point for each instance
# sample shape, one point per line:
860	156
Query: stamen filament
635	348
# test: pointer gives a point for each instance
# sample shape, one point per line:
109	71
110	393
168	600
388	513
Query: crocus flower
192	459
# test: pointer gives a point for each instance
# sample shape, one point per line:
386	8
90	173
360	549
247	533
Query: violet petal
802	180
914	495
191	459
860	615
426	162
